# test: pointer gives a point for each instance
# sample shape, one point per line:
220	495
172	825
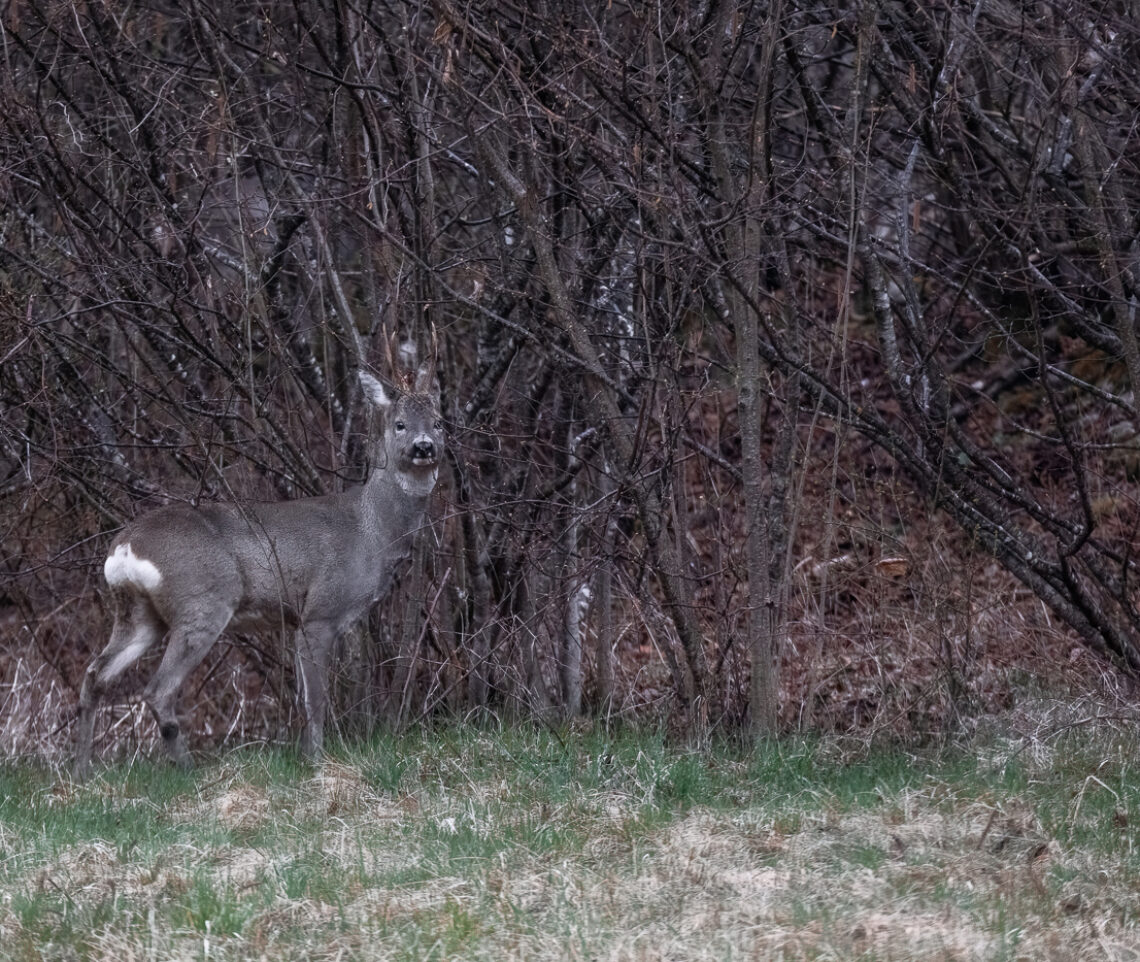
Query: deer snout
423	451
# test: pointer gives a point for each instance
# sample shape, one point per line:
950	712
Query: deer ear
374	390
426	381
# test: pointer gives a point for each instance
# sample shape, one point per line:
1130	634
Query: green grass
485	843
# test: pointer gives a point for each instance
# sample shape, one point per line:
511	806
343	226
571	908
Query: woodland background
788	349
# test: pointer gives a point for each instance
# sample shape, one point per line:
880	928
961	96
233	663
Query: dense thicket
696	273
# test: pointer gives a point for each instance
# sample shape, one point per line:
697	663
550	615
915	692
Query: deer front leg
314	645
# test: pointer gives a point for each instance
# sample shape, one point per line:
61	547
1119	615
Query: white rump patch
123	566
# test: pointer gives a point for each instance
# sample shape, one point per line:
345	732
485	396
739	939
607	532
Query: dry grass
34	708
510	846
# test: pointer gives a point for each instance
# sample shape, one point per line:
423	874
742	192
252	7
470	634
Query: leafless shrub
702	285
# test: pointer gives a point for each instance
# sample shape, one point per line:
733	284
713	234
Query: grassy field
517	843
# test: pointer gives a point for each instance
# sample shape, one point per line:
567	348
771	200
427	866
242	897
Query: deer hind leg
136	629
313	646
189	643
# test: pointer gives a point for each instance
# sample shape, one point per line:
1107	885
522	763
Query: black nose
423	449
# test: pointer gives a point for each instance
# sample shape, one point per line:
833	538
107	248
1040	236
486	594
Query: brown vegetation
788	349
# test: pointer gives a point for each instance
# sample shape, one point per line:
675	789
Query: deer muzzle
423	451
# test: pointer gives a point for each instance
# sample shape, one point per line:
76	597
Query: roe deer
314	564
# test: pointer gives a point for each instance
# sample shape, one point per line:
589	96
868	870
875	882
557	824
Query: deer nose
423	449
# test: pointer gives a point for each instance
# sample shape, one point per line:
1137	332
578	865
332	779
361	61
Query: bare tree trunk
409	639
604	640
749	252
569	596
479	631
529	630
763	611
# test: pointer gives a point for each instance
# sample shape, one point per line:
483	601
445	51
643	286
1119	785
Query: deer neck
396	495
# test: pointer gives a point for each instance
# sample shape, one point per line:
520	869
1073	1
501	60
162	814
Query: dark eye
438	425
400	426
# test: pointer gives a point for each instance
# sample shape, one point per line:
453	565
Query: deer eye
438	425
400	426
